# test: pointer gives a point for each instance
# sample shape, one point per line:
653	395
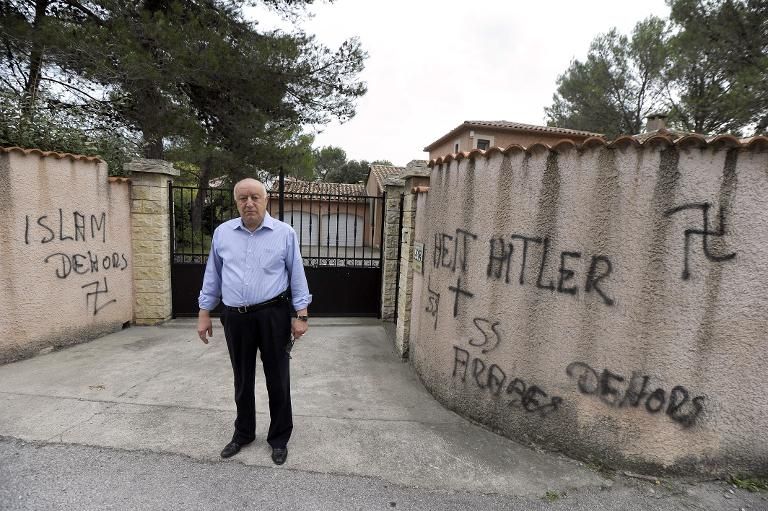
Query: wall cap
150	166
416	172
394	181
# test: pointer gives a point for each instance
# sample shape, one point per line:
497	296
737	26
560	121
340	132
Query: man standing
253	261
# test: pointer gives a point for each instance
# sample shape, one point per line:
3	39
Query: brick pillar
393	187
413	177
150	225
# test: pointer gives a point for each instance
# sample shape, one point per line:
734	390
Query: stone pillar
393	187
415	176
150	225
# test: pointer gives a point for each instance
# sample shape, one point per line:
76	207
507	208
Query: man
253	261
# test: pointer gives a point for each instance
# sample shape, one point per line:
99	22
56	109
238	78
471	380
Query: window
483	143
456	147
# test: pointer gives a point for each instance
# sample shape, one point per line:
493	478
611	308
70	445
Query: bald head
251	199
250	181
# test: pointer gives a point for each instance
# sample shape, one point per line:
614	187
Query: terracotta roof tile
55	154
510	126
381	172
322	188
661	137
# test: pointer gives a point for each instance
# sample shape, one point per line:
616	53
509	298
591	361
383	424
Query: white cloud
436	63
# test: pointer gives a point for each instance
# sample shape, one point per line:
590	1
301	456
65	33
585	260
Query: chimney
655	122
416	163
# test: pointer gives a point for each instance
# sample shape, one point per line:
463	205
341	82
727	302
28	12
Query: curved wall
607	302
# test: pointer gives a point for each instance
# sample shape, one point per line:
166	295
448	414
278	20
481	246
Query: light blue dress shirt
245	268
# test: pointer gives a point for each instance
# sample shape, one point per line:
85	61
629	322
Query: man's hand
299	327
204	325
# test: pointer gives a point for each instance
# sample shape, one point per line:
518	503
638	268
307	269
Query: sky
433	64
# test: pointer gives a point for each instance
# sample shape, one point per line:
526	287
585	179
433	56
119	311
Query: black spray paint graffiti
451	250
500	262
65	227
82	264
704	233
458	290
492	378
491	335
95	294
614	390
77	227
434	302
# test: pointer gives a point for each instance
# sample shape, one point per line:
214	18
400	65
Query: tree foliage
618	84
332	166
191	76
717	79
706	67
328	160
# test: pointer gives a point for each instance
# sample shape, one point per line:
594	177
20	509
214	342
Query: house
374	185
377	174
483	135
325	215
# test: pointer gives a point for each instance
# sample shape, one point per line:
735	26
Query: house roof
321	188
509	126
381	172
55	154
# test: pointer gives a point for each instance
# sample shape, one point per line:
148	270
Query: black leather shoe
231	449
279	455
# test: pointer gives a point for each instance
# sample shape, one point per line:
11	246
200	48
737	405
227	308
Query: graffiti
82	264
458	290
75	226
451	250
705	233
434	302
95	294
490	334
500	262
63	228
614	390
492	378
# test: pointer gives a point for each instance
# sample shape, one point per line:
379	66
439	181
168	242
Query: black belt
258	306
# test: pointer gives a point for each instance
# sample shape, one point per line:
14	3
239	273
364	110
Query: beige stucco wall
65	252
607	345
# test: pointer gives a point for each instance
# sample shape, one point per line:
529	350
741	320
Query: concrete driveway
358	411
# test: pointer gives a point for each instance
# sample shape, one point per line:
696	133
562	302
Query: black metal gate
340	237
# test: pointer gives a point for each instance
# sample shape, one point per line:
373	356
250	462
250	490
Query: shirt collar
268	222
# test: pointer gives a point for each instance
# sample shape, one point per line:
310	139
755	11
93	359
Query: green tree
329	159
332	166
179	72
717	78
353	171
618	84
707	71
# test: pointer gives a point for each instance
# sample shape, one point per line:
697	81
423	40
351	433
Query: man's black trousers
267	331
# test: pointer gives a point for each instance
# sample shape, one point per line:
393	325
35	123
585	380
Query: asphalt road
41	476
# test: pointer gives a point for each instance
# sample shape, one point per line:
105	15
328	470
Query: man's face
251	199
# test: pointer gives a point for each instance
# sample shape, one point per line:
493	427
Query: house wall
325	207
374	213
65	251
609	303
500	139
